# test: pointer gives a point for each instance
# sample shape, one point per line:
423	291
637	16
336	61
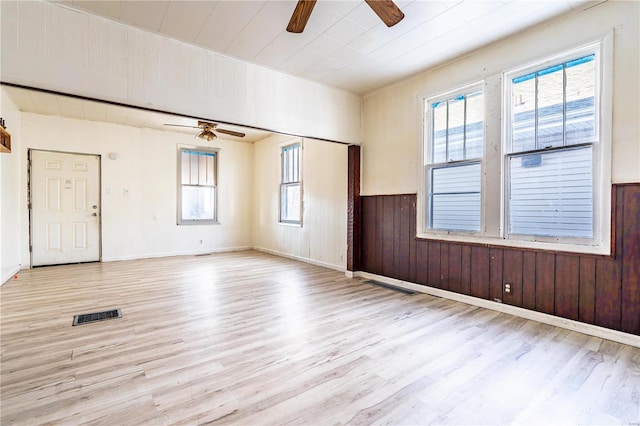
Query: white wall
142	223
49	46
10	184
322	238
392	116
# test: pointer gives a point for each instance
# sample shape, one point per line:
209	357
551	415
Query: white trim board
302	259
15	272
580	327
175	253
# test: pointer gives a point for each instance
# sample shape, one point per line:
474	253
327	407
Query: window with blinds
291	185
453	172
198	187
553	127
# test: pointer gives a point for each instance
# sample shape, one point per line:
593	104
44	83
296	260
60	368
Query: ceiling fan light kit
207	134
385	9
207	130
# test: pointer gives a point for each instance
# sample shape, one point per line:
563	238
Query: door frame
30	205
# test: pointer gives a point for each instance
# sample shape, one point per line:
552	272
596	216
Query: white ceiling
51	104
344	45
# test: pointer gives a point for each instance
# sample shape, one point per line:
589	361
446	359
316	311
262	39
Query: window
290	185
453	170
550	151
523	158
197	190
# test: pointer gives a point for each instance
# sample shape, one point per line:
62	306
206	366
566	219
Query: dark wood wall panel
413	243
465	266
388	232
433	274
444	266
455	268
479	272
609	271
603	290
529	280
587	292
422	262
402	246
566	286
631	261
545	282
495	274
370	239
608	303
398	249
512	275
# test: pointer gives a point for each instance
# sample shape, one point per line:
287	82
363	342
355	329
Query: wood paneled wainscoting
599	290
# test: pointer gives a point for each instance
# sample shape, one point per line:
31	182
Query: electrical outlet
507	288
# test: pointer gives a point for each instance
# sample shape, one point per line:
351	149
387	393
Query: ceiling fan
385	9
207	130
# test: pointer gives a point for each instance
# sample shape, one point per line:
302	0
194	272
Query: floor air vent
96	316
390	287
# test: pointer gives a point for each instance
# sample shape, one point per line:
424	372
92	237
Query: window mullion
431	198
446	139
464	130
432	154
564	105
535	115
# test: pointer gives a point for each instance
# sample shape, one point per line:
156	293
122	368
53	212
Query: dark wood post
353	209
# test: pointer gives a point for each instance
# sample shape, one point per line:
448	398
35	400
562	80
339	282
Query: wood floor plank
250	338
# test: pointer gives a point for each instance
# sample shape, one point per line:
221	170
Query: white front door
65	208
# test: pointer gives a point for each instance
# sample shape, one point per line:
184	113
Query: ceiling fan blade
230	132
387	11
300	16
181	125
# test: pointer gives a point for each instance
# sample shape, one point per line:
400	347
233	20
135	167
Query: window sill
596	250
200	222
290	225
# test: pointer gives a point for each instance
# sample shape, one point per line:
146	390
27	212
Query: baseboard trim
13	274
177	253
301	259
580	327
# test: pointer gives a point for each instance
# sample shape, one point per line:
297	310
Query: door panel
65	220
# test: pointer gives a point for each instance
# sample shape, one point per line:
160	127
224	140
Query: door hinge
29	206
30	248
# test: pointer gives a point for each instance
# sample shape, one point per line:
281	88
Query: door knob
94	207
94	214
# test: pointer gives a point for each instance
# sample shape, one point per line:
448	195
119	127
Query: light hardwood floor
249	338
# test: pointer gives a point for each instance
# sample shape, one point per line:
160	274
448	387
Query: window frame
282	184
600	151
427	165
180	185
493	168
